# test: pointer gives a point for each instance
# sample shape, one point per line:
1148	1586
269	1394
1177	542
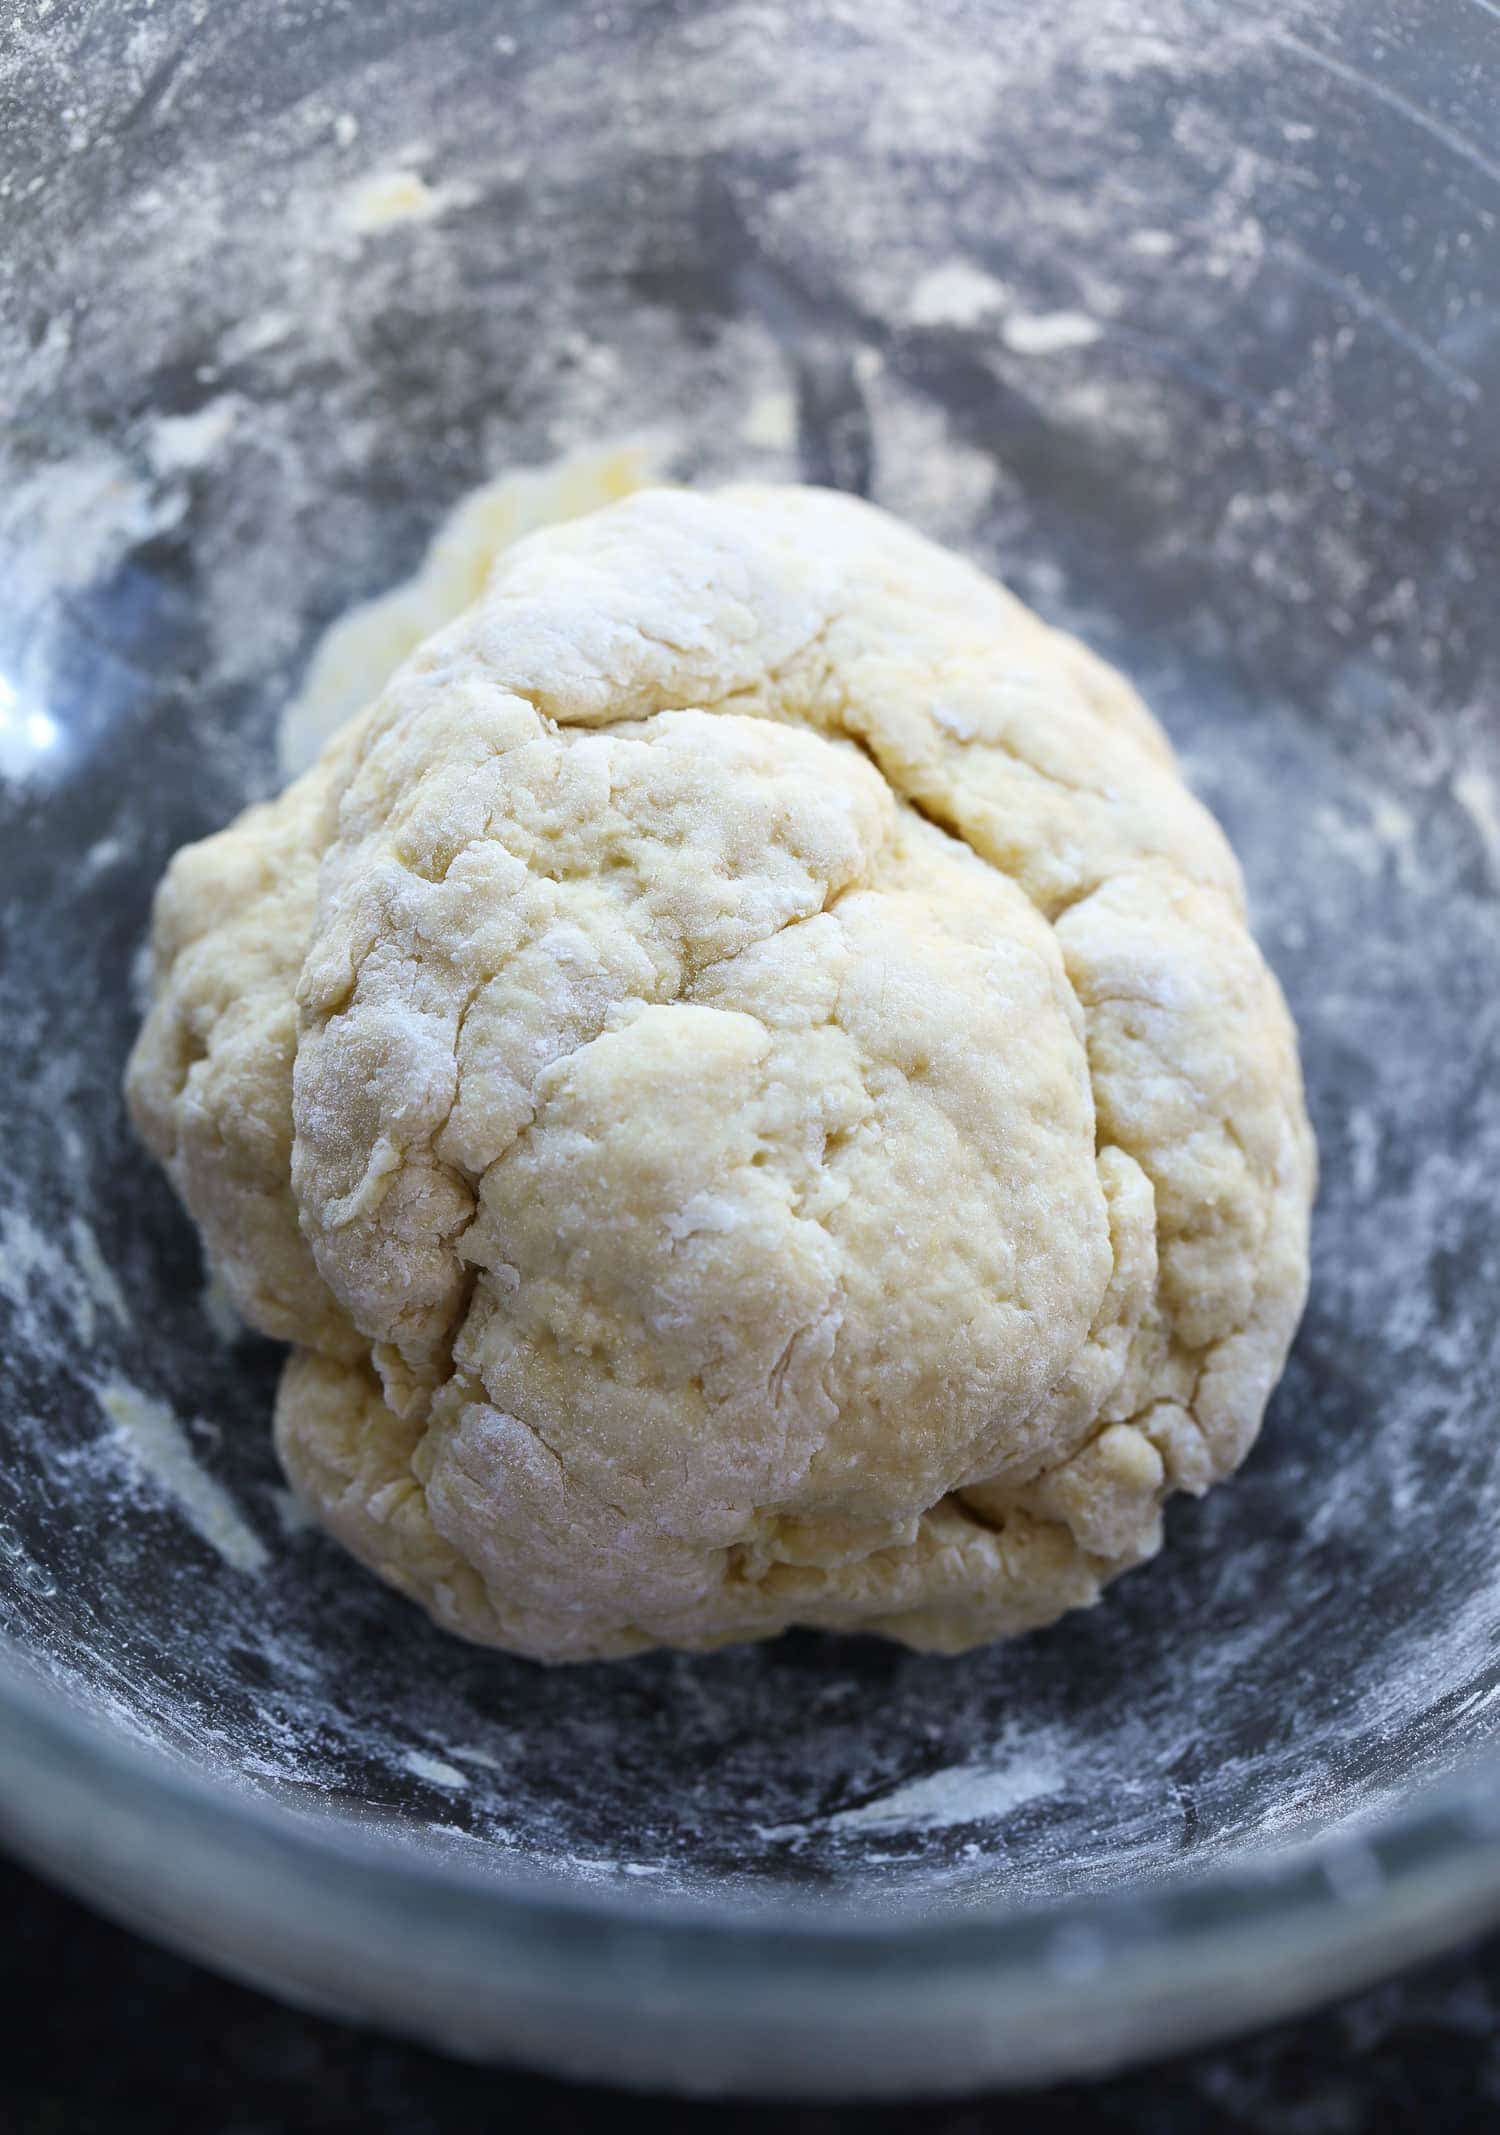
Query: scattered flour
103	854
1475	792
140	976
1048	333
1153	244
70	525
179	444
434	1770
959	1794
956	294
468	1754
155	1440
1363	1130
962	1794
770	421
98	1276
1382	830
63	529
36	1269
26	1252
386	198
262	330
1396	827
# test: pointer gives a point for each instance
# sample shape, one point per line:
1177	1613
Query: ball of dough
745	1078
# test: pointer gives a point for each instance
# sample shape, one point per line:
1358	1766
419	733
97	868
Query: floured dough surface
358	654
744	1075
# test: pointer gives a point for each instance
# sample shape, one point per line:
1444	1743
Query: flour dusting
156	1442
979	1792
181	444
386	198
41	1277
435	1770
1476	793
1048	333
769	423
956	294
98	1276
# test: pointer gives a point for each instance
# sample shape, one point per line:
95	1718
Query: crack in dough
744	1075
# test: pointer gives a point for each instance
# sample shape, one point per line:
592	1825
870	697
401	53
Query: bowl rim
1172	1959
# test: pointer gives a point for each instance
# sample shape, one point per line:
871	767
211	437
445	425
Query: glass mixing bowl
1185	320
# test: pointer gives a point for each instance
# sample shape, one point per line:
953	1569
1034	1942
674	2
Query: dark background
109	2036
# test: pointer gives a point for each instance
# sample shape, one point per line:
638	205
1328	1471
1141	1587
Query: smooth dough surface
745	1077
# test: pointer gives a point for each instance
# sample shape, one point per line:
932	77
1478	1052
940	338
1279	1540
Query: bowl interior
1192	333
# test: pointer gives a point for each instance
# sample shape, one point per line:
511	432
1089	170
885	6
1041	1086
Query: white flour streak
963	1794
770	421
1047	333
98	1276
179	444
386	198
955	294
959	1794
156	1443
1475	793
36	1270
434	1770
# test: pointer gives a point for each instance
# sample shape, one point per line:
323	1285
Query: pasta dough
744	1076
